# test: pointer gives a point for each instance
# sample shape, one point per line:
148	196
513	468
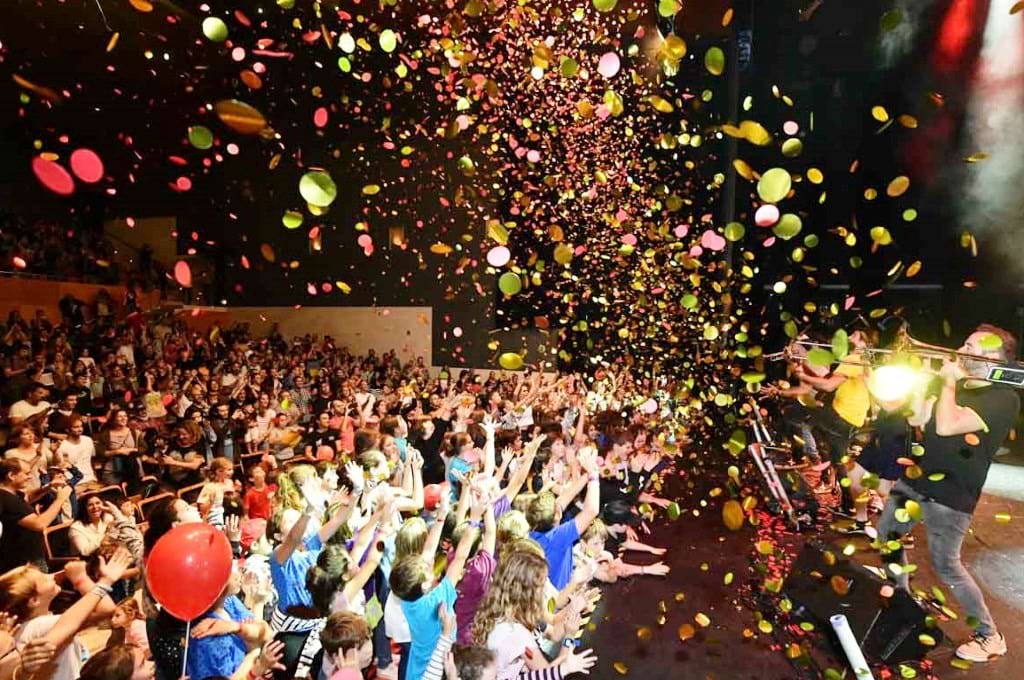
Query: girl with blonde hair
219	486
512	613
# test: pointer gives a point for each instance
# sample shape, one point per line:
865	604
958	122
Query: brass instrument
999	371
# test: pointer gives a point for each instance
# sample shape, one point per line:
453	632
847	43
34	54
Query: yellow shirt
853	401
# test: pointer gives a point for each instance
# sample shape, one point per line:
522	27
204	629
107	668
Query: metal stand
758	451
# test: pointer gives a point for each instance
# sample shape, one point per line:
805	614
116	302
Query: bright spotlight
892	383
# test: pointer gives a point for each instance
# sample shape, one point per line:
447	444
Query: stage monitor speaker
888	629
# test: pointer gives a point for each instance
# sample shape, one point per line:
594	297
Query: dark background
137	114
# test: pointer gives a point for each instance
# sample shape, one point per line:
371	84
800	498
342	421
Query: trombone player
964	425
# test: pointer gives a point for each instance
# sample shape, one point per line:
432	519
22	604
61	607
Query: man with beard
964	426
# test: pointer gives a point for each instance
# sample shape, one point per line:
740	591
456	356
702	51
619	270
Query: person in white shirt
28	593
77	450
31	406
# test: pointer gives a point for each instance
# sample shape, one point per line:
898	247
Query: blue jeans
946	529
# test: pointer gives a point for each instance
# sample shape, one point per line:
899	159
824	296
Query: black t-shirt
955	467
317	438
18	545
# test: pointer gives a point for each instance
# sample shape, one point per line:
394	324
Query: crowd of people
386	520
45	247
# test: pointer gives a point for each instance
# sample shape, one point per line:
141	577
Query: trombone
1000	371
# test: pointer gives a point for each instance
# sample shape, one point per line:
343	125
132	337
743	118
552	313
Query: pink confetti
183	274
791	127
609	65
53	176
712	240
766	215
320	117
87	166
498	256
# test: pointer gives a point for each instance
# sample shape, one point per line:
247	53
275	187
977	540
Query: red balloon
188	569
432	496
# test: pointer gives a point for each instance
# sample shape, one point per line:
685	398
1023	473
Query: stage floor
702	552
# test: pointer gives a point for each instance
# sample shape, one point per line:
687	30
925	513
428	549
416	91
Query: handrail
62	278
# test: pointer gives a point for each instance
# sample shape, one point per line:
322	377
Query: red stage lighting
964	19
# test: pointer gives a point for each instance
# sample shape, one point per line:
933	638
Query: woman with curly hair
513	613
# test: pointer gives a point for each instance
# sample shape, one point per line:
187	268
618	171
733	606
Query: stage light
893	383
991	195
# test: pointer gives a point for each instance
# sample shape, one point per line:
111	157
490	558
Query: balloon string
184	657
102	14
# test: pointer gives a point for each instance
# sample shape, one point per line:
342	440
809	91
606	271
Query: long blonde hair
289	487
411	538
17	588
516	594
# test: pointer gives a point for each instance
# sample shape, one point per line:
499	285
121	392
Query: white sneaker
980	648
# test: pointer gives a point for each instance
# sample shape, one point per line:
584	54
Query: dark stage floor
702	552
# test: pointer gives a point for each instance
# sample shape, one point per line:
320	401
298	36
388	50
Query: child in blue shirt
411	581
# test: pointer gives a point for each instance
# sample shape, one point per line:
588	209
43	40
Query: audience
385	520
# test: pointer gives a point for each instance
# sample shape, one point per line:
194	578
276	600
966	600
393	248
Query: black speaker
888	629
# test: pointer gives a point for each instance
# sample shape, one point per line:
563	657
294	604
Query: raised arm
39	521
458	564
522	473
413	503
592	502
283	552
72	620
436	529
490	537
356	583
344	512
489	427
951	419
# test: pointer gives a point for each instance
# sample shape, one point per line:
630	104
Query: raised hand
587	458
269	659
111	571
233	528
451	672
534	444
355	476
489	426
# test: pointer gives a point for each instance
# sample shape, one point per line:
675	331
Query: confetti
86	165
53	176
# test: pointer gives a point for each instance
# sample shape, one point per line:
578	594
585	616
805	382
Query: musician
845	402
964	425
796	417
